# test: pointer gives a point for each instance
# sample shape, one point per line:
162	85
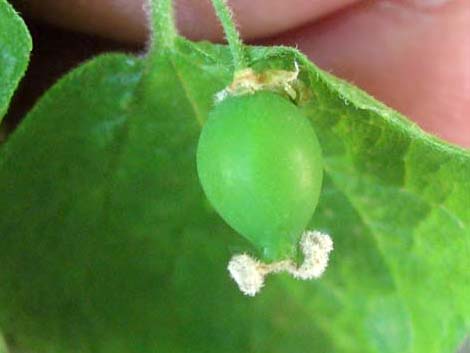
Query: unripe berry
260	165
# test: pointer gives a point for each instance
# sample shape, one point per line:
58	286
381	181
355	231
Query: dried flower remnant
249	273
283	82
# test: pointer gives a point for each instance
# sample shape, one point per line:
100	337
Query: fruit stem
231	33
162	21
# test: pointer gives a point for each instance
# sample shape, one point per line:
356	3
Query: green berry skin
260	165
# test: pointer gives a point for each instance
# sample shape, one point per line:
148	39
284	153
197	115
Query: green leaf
15	46
107	243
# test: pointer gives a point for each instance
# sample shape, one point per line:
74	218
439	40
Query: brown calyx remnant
284	82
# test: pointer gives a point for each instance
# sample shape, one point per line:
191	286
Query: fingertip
126	19
413	58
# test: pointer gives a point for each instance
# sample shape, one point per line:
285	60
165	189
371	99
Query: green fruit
260	165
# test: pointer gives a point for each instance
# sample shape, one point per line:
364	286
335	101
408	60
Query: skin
412	54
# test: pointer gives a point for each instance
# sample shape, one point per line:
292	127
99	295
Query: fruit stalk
163	24
231	34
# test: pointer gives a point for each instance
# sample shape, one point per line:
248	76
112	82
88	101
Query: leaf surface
107	243
15	46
